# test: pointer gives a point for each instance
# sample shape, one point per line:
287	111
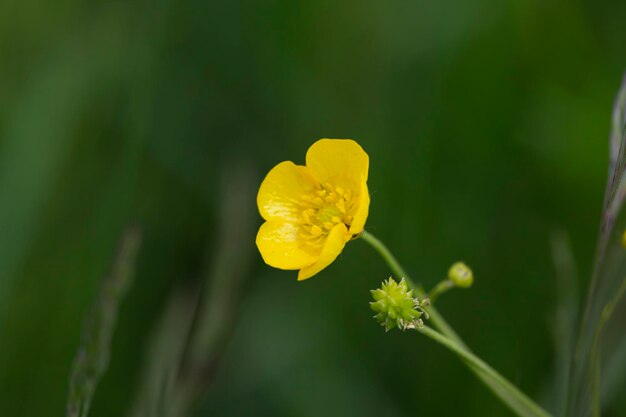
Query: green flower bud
396	307
461	275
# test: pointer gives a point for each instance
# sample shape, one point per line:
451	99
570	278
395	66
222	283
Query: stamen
316	230
341	205
324	208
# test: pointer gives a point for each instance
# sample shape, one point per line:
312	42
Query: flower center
325	208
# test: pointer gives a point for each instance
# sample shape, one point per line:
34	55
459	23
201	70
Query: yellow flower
311	211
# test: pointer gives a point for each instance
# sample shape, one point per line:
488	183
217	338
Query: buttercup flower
311	211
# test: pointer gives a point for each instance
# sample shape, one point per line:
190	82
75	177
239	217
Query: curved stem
439	289
480	366
391	260
508	393
435	318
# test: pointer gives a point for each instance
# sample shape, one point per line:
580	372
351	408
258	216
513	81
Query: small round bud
461	275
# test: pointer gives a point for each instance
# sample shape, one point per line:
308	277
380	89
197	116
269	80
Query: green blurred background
487	127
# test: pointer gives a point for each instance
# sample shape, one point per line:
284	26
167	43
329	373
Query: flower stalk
435	318
516	400
439	289
459	275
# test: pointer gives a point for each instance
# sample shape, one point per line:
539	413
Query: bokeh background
487	127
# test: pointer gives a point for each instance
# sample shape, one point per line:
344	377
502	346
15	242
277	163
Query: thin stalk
509	394
482	367
435	318
441	288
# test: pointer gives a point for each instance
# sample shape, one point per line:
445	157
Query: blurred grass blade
178	373
565	319
92	358
599	337
615	374
229	265
617	155
166	349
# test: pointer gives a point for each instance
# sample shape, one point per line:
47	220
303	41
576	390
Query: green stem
435	318
480	366
393	263
441	288
511	396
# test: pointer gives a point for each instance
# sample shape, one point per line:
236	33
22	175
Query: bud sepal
461	275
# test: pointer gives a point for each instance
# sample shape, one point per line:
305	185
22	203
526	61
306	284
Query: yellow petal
280	194
341	162
282	247
333	246
362	206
